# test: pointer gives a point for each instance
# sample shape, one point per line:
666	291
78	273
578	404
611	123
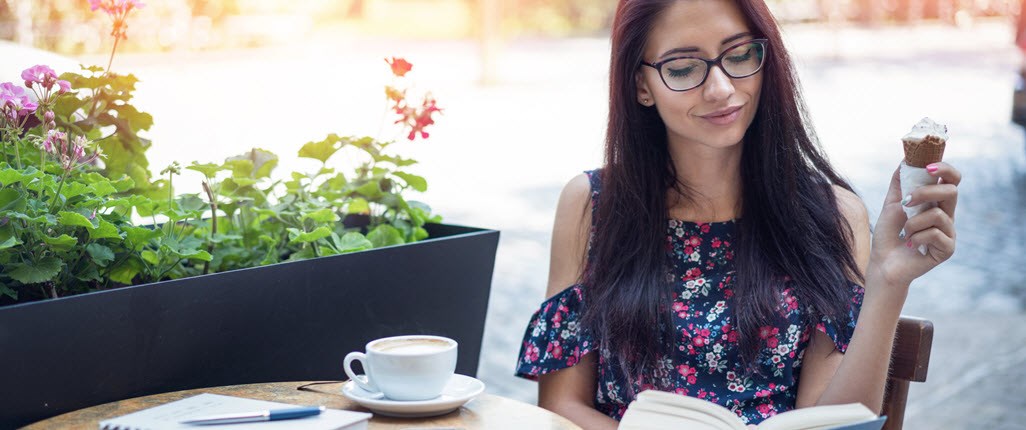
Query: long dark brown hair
789	226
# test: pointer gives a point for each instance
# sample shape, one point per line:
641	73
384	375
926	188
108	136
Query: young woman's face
716	113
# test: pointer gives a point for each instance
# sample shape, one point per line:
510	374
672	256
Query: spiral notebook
168	416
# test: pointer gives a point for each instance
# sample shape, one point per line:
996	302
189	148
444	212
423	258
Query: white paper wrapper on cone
912	178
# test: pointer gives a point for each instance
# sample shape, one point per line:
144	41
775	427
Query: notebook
168	415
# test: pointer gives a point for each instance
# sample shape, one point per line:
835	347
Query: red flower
399	66
417	119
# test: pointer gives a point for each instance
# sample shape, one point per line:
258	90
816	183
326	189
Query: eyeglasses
739	61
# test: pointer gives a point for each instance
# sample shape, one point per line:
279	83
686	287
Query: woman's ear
645	97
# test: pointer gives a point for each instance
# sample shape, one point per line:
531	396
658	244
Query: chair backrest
910	359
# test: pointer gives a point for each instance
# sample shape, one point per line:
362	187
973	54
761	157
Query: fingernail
905	201
932	168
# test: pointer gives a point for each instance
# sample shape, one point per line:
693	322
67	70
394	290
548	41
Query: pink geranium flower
69	154
118	11
45	77
15	104
115	7
39	74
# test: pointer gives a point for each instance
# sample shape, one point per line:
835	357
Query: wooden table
484	412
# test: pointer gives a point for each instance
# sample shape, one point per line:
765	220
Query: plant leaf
358	206
385	235
370	190
298	236
325	215
74	189
150	256
351	242
417	182
102	189
124	184
100	254
322	150
193	254
74	219
11	200
9	176
41	270
209	169
62	243
45	219
10	243
8	291
419	234
125	272
105	230
139	236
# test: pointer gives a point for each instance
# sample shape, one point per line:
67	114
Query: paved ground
501	153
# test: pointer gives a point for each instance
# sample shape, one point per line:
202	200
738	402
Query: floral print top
707	364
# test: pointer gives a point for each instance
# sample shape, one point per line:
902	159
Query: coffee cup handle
363	381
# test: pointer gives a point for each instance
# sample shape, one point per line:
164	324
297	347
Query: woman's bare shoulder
570	234
851	206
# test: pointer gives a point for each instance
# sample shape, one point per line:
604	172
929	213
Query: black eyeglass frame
710	63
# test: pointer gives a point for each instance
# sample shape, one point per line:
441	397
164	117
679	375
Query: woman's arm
570	392
889	264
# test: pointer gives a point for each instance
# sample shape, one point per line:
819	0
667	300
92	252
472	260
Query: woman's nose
718	85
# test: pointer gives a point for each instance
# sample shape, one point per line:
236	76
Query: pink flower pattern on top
706	362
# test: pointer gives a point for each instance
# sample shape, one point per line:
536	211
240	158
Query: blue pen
248	417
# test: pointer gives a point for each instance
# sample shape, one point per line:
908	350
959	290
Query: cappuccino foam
413	346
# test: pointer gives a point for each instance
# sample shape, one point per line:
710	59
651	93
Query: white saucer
460	390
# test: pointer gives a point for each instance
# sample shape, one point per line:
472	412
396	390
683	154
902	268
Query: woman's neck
713	175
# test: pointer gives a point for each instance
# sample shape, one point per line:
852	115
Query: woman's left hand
897	260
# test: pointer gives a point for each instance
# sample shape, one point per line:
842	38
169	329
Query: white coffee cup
415	367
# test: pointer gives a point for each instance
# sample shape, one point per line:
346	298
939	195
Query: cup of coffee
415	367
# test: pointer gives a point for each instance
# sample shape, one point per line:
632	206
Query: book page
168	416
819	417
642	415
728	419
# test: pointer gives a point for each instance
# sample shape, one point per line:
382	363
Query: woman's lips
723	117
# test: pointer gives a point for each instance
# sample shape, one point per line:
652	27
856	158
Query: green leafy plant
80	211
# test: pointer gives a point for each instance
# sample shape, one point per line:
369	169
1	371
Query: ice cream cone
925	143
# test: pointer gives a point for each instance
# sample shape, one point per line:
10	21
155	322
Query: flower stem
17	153
57	197
111	61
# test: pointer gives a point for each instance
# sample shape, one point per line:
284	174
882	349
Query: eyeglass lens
687	73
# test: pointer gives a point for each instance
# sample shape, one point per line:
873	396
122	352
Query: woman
717	254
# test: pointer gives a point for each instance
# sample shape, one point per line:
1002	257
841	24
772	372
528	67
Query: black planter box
285	322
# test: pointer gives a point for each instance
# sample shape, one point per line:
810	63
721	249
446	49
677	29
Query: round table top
485	412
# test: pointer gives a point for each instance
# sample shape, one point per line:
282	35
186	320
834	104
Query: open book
661	410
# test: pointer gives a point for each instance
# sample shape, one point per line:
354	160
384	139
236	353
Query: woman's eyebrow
695	49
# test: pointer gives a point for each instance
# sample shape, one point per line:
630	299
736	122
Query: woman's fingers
946	172
931	218
945	195
940	246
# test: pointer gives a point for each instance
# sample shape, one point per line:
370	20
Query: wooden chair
910	359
